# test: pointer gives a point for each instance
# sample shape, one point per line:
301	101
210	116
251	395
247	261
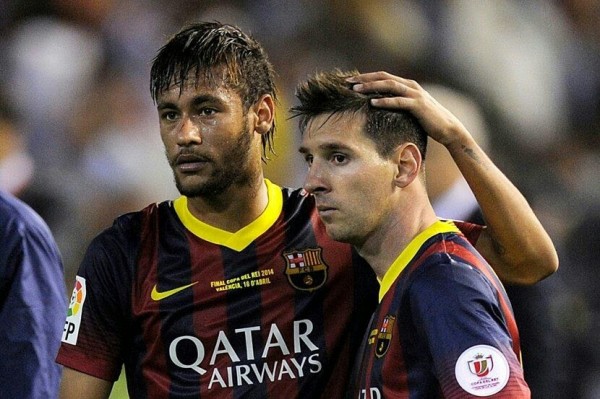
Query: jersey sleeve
458	316
95	326
471	231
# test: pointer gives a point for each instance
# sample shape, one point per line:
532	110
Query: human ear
408	164
264	110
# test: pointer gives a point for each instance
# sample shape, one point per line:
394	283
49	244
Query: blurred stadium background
79	135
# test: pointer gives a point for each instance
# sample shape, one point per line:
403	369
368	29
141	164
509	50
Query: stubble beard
234	168
346	233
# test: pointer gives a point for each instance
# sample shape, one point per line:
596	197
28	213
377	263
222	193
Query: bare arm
514	242
75	385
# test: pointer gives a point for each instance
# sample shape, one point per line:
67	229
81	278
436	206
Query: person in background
32	301
233	289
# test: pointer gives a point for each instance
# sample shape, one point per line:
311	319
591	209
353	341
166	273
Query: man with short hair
444	326
233	289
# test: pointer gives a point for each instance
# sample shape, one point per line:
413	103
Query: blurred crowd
79	136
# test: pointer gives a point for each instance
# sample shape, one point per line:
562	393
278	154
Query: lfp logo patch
482	370
71	330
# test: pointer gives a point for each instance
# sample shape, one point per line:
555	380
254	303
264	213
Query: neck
234	208
385	244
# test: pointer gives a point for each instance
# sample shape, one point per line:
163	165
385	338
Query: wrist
459	139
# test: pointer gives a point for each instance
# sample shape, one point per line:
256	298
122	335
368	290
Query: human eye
168	115
207	111
308	158
339	158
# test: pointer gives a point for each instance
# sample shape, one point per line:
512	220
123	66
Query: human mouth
189	163
325	210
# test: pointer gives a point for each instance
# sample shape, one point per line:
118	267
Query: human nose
189	133
314	181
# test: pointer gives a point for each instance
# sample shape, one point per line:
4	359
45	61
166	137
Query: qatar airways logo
294	359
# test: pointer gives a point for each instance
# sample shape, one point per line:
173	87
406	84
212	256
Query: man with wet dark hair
233	289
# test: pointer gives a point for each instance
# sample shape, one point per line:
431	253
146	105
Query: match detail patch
482	370
71	329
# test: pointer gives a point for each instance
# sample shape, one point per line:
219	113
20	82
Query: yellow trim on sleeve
410	251
241	238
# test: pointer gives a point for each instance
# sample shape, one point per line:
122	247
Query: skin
376	204
519	252
515	243
75	384
214	149
335	149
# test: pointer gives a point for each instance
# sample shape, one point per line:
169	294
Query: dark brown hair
204	48
330	93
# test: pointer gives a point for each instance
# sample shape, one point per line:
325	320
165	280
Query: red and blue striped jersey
444	327
275	310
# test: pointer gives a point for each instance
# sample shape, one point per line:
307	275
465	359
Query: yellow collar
241	238
410	251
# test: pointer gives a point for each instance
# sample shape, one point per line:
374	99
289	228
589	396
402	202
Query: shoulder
452	275
132	222
452	291
21	226
18	217
126	231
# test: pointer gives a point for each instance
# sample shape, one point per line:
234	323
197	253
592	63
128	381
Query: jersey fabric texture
444	327
274	310
32	303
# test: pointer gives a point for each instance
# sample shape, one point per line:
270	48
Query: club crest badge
305	269
384	336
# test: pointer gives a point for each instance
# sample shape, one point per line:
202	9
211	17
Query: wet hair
202	50
330	93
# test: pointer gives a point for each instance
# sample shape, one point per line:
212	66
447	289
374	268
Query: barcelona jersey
444	327
274	310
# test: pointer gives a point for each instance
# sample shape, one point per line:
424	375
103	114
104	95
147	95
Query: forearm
515	243
75	384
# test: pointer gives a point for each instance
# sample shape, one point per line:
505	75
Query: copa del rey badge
482	370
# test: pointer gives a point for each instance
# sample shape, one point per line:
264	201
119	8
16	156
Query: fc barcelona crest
384	337
305	269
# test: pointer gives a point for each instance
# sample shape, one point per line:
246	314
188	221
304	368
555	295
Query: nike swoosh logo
158	296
